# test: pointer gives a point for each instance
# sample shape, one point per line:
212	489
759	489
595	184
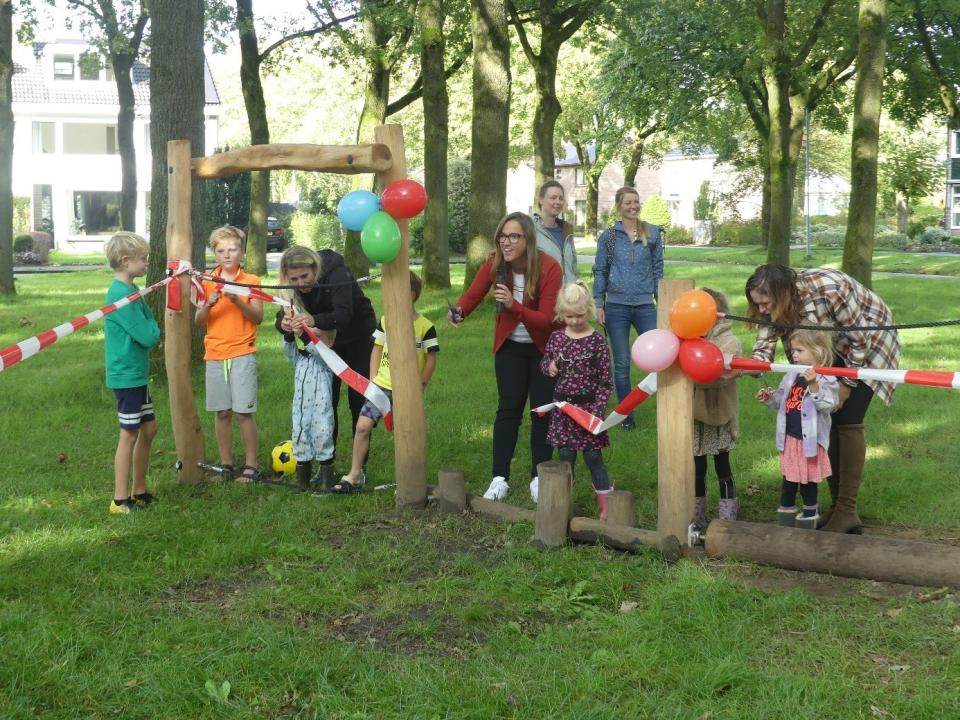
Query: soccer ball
282	458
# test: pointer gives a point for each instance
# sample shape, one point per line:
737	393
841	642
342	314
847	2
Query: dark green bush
737	232
830	238
895	240
22	243
679	235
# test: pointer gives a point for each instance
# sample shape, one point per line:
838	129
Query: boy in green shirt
129	333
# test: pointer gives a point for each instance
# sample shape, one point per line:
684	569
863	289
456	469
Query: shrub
416	236
318	231
22	243
914	228
21	215
680	235
829	238
933	236
895	240
458	206
27	257
656	210
738	232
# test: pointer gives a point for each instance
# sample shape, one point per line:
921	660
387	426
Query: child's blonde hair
125	244
818	342
228	232
576	299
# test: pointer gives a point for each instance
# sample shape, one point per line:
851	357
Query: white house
953	182
65	156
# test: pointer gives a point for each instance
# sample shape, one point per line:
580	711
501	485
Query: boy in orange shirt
230	350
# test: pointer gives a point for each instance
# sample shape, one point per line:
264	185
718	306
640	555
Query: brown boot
852	454
833	480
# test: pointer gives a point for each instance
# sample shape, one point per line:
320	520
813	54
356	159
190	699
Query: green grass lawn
752	255
336	607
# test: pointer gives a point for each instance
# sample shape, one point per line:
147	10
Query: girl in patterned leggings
579	359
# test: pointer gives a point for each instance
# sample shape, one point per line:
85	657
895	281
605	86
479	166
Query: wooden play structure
386	159
847	555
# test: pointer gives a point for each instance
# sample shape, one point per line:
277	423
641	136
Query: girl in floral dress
578	358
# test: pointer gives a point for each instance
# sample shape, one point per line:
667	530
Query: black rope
214	278
839	328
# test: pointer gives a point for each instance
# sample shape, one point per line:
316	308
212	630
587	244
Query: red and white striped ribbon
338	367
644	389
929	378
31	346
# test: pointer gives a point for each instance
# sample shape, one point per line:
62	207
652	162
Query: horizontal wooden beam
344	159
859	556
623	537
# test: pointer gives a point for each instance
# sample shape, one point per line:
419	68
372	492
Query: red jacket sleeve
478	289
551	278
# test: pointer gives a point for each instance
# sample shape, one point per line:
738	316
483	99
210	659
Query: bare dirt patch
222	593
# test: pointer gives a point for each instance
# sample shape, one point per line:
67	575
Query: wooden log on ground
620	508
622	537
451	491
409	427
674	432
863	556
346	159
553	505
187	433
499	510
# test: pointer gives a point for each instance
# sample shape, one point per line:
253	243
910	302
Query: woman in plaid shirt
831	298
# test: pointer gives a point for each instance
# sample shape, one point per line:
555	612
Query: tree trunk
591	220
490	137
176	113
6	149
781	170
868	91
765	204
256	257
903	211
633	164
436	244
375	98
122	67
547	111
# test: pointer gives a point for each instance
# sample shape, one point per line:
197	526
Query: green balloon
380	237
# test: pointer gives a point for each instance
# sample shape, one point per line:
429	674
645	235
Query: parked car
276	236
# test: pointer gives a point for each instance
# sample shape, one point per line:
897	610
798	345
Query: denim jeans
619	319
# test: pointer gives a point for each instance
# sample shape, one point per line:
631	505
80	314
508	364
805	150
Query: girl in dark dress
579	359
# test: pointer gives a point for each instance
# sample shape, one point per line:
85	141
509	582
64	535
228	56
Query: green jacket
129	333
566	257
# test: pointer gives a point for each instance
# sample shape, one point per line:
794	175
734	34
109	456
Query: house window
63	67
108	71
96	213
579	178
44	138
955	208
89	139
956	142
43	208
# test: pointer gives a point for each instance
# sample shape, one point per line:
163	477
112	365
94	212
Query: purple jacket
814	415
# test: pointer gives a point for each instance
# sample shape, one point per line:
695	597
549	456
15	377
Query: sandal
345	487
248	474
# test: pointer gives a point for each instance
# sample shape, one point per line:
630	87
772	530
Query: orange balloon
693	314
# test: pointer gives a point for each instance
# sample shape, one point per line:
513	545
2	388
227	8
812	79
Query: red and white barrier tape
590	422
31	346
338	367
929	378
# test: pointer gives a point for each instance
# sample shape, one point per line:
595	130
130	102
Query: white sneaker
498	489
535	489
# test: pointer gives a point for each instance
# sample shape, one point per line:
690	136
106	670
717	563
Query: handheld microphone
501	280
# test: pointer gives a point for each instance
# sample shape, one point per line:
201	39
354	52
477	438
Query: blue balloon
356	207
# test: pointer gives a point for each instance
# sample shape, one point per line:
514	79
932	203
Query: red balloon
403	199
700	360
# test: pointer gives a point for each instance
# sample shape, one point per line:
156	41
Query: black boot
324	481
304	470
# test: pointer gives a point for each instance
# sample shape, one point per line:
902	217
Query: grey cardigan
814	414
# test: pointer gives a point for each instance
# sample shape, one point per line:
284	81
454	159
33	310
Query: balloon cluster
375	218
691	317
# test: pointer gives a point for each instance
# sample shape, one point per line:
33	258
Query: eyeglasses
511	239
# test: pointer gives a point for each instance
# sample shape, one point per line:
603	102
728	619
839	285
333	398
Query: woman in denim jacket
626	274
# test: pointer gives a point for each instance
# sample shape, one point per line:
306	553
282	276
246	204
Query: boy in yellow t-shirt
428	346
230	350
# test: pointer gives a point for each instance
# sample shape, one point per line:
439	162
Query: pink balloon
655	350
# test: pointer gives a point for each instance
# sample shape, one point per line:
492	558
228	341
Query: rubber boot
787	517
304	470
729	508
602	501
700	512
324	481
833	479
852	455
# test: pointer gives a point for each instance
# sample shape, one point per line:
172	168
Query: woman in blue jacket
626	274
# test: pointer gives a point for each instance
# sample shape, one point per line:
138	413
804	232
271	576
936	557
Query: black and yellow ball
282	458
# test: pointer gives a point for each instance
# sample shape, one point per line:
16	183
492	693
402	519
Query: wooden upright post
620	508
674	433
553	504
409	442
187	435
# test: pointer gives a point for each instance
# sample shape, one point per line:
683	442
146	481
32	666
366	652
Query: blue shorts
134	406
372	411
